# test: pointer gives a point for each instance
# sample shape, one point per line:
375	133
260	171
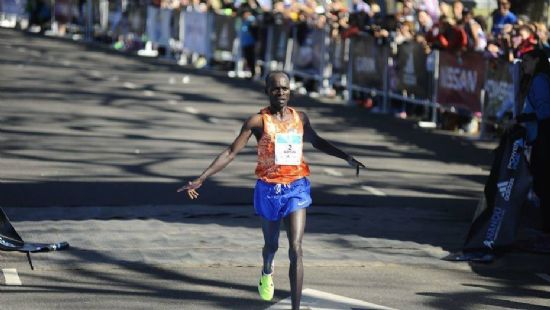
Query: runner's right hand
191	188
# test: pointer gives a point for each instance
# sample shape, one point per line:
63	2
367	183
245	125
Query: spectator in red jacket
524	40
446	35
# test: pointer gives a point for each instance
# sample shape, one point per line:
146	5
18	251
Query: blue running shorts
275	201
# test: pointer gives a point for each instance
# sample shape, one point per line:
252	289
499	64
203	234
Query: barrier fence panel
308	57
368	62
309	52
65	12
338	60
279	43
274	47
165	27
266	45
13	7
412	74
196	33
461	79
136	18
11	11
224	37
499	87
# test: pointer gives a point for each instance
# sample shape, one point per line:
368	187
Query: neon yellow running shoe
266	287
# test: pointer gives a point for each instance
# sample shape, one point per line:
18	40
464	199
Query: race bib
288	149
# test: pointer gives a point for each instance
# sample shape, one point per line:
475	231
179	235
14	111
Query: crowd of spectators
443	25
437	24
449	25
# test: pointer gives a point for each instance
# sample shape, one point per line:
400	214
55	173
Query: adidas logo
505	189
488	243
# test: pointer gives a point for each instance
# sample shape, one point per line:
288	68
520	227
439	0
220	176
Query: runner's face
278	91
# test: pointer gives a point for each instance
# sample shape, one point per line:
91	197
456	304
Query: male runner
282	191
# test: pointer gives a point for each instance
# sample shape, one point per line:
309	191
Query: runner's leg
295	224
271	231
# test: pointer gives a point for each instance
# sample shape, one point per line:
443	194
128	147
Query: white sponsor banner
196	32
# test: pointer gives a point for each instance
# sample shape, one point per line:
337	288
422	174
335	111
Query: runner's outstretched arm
224	158
310	135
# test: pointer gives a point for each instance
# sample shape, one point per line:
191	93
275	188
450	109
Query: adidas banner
498	214
11	241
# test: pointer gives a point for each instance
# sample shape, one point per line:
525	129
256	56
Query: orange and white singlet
280	158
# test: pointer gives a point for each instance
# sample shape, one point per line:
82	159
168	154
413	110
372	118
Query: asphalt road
94	144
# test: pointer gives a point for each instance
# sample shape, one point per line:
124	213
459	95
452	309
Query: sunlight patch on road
130	85
333	172
191	110
373	190
148	93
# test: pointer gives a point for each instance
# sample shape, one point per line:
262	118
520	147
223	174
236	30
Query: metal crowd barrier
357	64
12	12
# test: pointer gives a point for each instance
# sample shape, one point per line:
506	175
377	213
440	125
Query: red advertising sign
461	79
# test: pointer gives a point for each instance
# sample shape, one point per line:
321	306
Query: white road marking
36	53
191	110
185	79
11	277
148	93
130	85
544	276
333	172
318	300
427	125
96	74
373	190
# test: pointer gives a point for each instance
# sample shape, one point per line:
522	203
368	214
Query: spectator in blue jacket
501	17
